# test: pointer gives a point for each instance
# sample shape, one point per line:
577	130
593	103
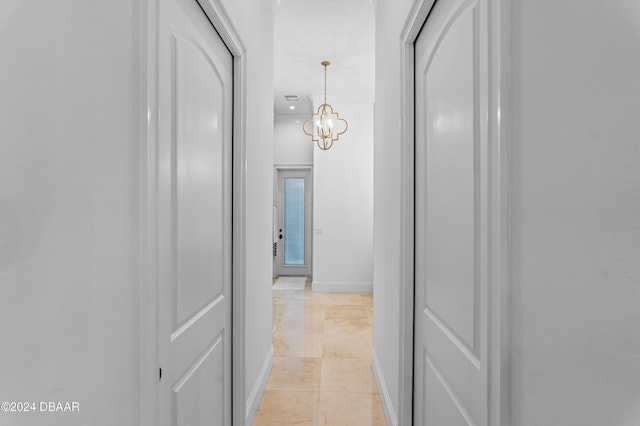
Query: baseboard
342	286
385	399
258	387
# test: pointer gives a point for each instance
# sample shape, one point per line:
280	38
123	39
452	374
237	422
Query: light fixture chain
325	84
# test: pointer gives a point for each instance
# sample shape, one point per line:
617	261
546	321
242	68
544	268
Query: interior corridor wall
390	19
68	210
290	145
576	212
343	205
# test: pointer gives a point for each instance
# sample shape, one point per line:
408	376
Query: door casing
147	108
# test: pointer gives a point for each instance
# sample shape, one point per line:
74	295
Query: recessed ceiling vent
291	98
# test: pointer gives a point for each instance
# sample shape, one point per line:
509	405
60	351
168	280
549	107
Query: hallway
321	373
111	182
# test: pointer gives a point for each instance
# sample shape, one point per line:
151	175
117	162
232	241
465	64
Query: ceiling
310	31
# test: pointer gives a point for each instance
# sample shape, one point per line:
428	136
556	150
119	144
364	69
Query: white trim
383	390
239	236
221	21
342	286
301	166
147	105
500	210
258	387
415	20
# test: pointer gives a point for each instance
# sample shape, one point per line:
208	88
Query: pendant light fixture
324	126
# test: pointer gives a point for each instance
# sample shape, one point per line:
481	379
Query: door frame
499	125
146	105
293	168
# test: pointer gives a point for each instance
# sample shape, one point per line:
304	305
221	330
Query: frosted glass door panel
293	242
294	221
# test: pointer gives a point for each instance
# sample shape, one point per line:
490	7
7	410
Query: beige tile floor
321	372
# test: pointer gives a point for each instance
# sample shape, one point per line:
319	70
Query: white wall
254	22
343	205
576	212
68	204
575	208
68	209
390	18
290	145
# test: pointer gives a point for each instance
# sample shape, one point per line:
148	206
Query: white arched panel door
451	374
194	205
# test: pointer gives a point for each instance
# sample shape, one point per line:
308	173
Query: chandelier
322	125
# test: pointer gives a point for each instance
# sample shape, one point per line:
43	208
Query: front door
451	312
293	248
194	224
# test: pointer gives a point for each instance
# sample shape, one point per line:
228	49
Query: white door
195	141
450	347
293	249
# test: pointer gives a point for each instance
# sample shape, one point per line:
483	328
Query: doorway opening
293	222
